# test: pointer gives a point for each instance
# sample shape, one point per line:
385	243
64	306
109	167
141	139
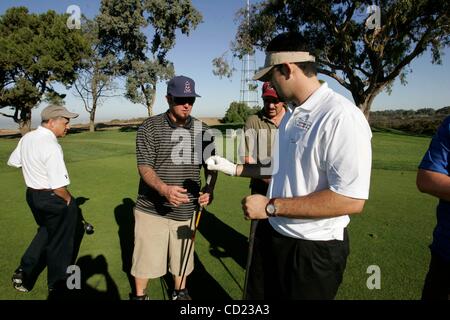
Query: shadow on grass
201	285
88	268
224	241
125	220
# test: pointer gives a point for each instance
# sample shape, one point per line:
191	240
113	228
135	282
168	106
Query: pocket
55	197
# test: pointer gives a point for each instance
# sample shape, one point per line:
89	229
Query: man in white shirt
320	175
41	158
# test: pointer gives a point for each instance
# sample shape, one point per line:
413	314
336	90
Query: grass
393	232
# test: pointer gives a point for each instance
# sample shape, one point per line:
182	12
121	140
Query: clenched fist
254	206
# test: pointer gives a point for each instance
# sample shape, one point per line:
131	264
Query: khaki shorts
158	242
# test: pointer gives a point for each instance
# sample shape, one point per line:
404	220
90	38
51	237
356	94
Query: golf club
198	214
88	228
251	240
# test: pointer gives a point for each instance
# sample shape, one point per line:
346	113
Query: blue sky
428	85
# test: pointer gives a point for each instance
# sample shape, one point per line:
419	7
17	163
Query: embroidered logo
187	87
303	123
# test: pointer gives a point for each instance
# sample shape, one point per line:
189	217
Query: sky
428	84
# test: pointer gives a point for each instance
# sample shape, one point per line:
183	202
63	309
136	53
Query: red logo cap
269	91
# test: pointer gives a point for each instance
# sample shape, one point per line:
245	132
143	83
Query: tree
363	57
123	30
142	79
38	51
95	79
238	112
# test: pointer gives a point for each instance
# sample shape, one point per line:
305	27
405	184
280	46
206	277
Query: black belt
40	189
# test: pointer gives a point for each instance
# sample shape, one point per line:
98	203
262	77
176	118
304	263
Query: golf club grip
208	188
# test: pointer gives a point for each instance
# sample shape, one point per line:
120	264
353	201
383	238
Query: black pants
53	243
437	282
285	268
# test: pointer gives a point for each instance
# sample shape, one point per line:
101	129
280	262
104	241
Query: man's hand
204	199
217	163
254	206
175	195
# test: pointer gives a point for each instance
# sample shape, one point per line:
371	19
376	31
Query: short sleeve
436	157
56	168
145	145
348	156
249	140
15	159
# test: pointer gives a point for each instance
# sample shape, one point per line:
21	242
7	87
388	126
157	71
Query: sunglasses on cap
183	100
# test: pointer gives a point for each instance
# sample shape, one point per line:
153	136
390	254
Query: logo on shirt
303	123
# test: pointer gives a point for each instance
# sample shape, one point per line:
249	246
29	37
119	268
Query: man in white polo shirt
41	158
321	174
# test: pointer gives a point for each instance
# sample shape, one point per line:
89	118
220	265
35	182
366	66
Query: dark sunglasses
183	100
271	100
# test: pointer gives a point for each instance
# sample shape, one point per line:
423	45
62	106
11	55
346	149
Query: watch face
270	208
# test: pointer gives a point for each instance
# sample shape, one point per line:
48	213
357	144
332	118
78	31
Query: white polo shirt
322	144
42	161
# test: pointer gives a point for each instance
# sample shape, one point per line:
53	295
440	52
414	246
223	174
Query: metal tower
249	87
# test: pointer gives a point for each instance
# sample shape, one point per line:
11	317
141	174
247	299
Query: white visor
275	58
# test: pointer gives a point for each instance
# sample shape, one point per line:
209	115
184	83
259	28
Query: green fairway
393	232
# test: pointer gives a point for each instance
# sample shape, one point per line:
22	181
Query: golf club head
89	228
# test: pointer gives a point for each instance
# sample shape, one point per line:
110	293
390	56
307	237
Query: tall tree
96	78
124	26
142	79
362	54
37	51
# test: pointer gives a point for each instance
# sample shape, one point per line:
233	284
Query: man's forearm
151	179
434	183
252	171
321	204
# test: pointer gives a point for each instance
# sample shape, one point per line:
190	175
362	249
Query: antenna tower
249	87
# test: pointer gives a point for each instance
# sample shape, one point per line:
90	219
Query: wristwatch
271	209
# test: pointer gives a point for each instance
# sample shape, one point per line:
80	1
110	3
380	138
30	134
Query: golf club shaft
251	241
197	221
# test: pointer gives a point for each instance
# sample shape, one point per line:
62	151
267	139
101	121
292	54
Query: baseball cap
54	111
269	91
276	58
181	86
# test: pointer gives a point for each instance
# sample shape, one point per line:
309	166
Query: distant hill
422	121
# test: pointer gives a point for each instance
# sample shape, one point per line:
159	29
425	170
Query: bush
238	112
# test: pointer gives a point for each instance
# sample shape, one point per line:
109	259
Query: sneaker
135	297
18	279
181	295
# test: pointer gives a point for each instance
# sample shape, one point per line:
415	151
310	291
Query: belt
39	189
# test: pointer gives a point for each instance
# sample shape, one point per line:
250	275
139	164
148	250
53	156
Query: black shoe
182	294
135	297
18	280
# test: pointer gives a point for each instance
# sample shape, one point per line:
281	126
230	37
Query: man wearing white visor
321	165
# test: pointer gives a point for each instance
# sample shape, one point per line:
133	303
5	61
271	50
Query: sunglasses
183	100
271	100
